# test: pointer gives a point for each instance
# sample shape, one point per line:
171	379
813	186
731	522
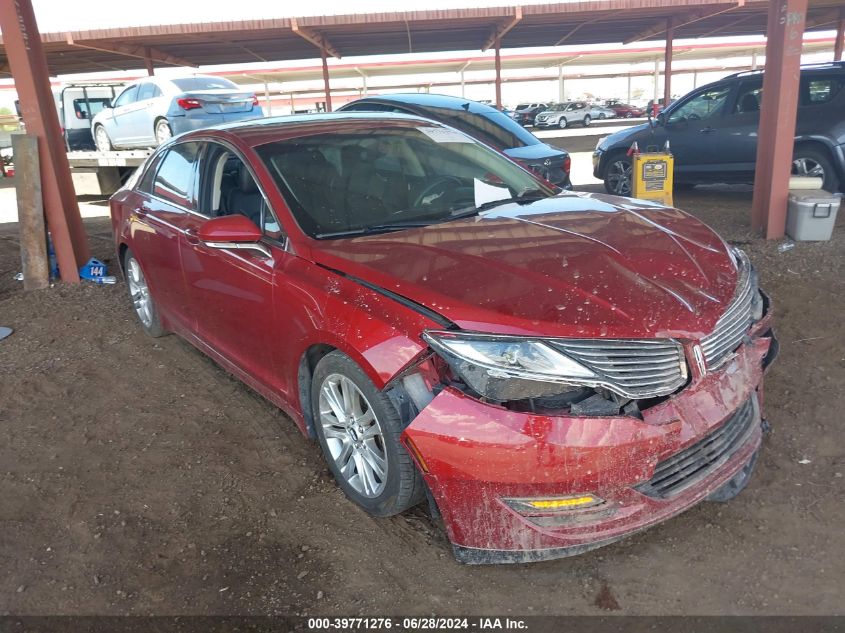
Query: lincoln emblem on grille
699	359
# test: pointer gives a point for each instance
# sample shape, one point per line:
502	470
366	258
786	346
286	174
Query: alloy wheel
139	292
618	177
102	139
353	435
807	167
163	132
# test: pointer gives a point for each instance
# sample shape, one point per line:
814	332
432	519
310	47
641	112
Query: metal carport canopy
574	23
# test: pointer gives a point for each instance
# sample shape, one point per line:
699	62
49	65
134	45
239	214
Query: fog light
553	504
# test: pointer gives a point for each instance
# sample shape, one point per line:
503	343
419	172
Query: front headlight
510	368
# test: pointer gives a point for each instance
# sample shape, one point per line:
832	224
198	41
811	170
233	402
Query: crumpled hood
573	265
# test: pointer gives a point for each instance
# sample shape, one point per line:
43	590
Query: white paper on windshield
444	135
489	193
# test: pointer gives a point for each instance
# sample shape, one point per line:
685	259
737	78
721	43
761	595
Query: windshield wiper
527	195
375	229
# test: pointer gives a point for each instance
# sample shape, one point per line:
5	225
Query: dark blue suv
713	133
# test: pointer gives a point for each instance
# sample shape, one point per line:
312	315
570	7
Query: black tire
148	316
629	115
810	161
610	183
562	123
162	131
683	186
403	485
101	140
602	116
587	120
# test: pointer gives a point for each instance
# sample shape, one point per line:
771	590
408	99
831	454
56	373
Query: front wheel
629	115
562	123
102	140
358	429
602	116
162	131
617	176
142	300
811	162
587	121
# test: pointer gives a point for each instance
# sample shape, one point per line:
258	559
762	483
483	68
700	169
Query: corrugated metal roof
574	23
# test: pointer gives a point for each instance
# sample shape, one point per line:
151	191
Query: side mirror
107	105
232	232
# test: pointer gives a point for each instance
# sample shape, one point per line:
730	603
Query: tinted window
85	109
148	91
749	98
130	95
204	83
705	105
821	90
176	174
488	126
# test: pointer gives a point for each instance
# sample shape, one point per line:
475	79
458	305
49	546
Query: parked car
600	112
150	111
439	319
481	121
77	104
713	132
525	113
627	111
565	114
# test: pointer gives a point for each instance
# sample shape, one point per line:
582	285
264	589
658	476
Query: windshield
367	180
187	84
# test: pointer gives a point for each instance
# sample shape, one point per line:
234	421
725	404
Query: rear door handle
707	130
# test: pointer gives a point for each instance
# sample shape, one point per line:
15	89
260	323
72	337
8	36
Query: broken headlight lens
510	368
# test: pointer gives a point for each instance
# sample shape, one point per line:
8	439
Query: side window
130	95
147	91
175	175
749	98
705	105
821	90
145	185
228	187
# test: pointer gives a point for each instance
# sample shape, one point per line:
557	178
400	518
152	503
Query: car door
739	154
697	133
143	119
124	128
165	209
230	291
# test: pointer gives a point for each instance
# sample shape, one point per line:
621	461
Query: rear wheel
358	429
617	175
815	163
142	300
587	121
102	140
602	116
629	114
162	131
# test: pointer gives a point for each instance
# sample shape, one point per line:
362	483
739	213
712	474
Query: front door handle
191	237
142	211
707	130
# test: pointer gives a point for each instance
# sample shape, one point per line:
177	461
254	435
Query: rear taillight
567	164
254	100
188	104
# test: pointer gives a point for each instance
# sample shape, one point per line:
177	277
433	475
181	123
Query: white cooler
811	215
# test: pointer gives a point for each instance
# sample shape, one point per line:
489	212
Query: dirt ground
137	477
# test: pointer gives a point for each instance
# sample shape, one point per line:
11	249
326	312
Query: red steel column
776	134
148	63
498	74
22	42
840	36
326	81
667	62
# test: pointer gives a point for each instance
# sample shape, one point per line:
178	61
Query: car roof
806	68
425	99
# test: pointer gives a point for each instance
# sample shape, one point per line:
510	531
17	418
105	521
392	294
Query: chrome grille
694	463
634	368
734	323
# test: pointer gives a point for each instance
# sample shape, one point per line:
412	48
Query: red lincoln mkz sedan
553	371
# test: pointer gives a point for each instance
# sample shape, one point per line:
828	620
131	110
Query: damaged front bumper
477	457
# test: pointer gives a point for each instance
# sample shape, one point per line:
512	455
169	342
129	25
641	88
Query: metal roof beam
133	50
575	29
659	27
315	37
499	31
828	17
